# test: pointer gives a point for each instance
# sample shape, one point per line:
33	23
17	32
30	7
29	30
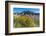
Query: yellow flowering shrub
23	21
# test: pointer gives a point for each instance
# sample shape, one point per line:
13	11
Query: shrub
23	21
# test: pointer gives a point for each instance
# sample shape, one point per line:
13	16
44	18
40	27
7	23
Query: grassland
25	21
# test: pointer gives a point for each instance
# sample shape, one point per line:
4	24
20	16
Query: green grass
36	22
23	21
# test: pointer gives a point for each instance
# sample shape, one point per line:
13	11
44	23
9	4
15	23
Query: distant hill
36	13
28	12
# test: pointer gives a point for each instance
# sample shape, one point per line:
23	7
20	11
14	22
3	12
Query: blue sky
18	10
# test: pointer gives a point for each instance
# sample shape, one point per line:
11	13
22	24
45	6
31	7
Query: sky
19	10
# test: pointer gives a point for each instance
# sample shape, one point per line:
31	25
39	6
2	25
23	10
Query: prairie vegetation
25	21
